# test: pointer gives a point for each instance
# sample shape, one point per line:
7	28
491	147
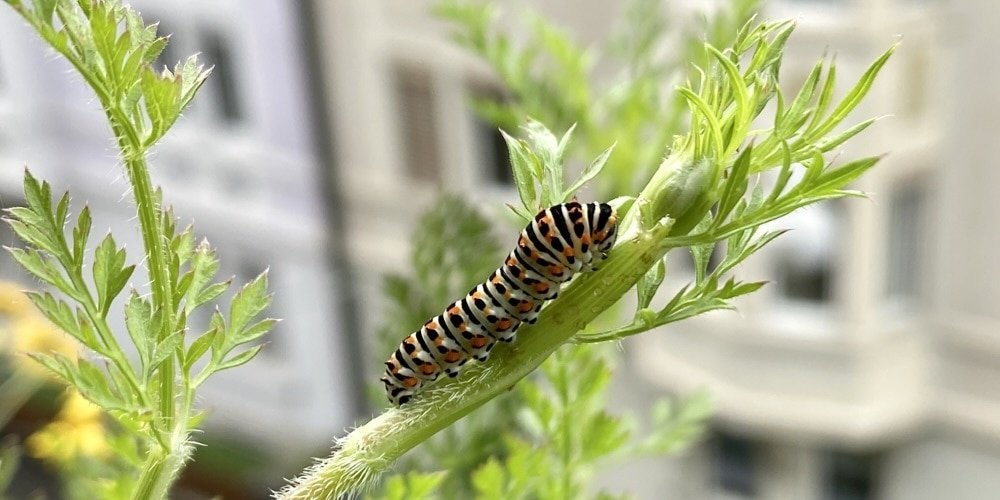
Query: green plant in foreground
153	395
564	435
453	248
708	189
570	436
552	425
550	78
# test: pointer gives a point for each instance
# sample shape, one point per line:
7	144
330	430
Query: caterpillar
558	243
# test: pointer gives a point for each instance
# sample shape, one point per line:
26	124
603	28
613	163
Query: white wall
943	465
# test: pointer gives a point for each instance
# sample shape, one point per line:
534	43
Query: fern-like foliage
553	78
152	395
708	188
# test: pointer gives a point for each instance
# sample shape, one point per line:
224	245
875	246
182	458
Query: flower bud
681	189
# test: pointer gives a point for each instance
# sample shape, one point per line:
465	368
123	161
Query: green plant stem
158	470
372	448
150	226
152	473
113	350
131	146
158	473
133	153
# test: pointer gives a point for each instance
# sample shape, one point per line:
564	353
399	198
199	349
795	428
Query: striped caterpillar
558	243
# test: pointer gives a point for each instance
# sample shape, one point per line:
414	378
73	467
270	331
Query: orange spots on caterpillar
577	236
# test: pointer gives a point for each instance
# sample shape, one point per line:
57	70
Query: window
418	119
221	97
490	145
223	83
903	262
493	154
804	257
735	465
850	476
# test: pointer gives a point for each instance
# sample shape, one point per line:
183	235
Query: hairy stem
371	449
158	470
162	466
150	224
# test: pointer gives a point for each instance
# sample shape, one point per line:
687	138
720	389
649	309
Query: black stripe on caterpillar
558	243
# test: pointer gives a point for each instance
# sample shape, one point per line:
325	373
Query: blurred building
866	370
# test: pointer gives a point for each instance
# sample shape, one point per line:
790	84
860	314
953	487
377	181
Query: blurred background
868	369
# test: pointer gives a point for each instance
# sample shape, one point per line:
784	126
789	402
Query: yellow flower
78	410
76	432
27	331
33	333
13	301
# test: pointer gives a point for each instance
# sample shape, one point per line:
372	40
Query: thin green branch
698	172
370	450
149	222
111	48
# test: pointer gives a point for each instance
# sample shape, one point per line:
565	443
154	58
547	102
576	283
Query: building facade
866	369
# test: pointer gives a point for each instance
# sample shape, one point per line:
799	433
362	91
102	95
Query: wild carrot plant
720	180
150	395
